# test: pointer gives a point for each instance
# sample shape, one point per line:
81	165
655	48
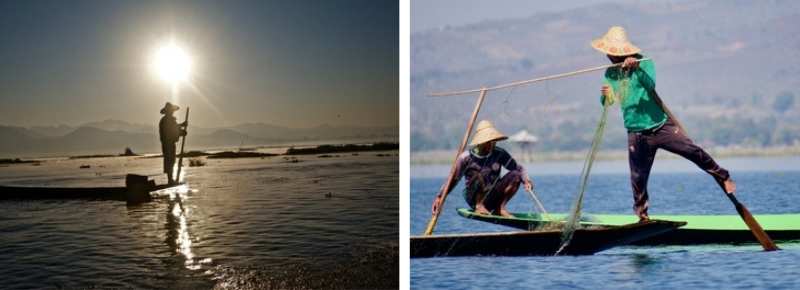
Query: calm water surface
766	185
238	224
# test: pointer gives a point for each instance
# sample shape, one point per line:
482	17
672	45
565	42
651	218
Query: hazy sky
427	14
291	63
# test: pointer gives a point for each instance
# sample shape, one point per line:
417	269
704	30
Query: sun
172	64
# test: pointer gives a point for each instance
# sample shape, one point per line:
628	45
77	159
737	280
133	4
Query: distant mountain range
730	71
111	137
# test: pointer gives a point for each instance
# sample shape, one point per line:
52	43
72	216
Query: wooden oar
748	218
453	172
183	142
751	222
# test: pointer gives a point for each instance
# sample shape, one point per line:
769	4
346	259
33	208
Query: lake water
765	185
238	224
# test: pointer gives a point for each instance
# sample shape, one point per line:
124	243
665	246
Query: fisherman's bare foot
480	209
729	186
505	213
644	217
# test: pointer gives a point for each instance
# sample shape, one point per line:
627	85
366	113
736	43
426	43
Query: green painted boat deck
775	222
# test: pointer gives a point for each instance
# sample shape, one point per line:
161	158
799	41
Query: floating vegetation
195	162
325	149
193	154
91	156
230	154
17	161
128	152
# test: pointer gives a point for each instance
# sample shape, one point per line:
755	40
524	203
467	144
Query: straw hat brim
615	49
168	108
486	135
615	43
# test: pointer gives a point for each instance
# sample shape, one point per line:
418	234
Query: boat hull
700	229
136	191
536	243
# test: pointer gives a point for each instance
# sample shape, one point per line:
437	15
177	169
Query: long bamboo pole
183	142
531	81
453	172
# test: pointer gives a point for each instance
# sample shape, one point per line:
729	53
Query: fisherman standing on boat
486	192
649	127
170	132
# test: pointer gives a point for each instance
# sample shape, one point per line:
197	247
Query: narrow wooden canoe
585	241
136	191
699	229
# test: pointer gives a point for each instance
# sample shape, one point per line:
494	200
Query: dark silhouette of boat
136	191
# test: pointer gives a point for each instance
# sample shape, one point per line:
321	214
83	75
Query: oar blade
751	222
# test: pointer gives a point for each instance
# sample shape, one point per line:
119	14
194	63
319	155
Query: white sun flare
172	64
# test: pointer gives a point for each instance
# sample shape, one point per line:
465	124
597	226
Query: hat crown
486	132
484	124
169	108
616	33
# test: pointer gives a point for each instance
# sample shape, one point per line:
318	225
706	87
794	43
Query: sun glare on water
172	64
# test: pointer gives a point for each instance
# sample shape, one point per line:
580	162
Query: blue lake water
765	185
239	224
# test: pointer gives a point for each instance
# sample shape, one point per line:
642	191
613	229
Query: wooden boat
136	191
699	229
585	241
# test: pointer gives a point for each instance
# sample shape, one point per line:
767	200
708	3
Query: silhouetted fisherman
170	132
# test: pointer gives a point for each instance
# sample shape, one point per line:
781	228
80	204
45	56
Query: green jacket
639	110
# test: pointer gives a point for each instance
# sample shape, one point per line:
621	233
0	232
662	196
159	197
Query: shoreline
220	154
443	157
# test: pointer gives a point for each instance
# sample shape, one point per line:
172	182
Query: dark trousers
495	194
642	147
169	156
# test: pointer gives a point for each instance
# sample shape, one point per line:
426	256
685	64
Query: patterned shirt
482	172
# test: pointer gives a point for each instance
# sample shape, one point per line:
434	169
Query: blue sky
291	63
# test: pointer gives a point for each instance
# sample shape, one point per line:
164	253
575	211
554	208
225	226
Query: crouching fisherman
486	192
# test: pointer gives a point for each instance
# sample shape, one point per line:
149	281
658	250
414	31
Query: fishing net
573	221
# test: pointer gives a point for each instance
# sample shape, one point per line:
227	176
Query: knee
515	177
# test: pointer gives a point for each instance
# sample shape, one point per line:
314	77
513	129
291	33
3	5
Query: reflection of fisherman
486	191
170	132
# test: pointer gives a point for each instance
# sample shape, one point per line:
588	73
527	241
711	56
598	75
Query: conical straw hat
485	133
615	43
169	107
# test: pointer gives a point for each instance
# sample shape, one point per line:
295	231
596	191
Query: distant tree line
773	131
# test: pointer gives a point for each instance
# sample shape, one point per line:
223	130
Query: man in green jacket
632	85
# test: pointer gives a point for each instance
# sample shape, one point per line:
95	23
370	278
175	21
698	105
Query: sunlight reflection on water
178	227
